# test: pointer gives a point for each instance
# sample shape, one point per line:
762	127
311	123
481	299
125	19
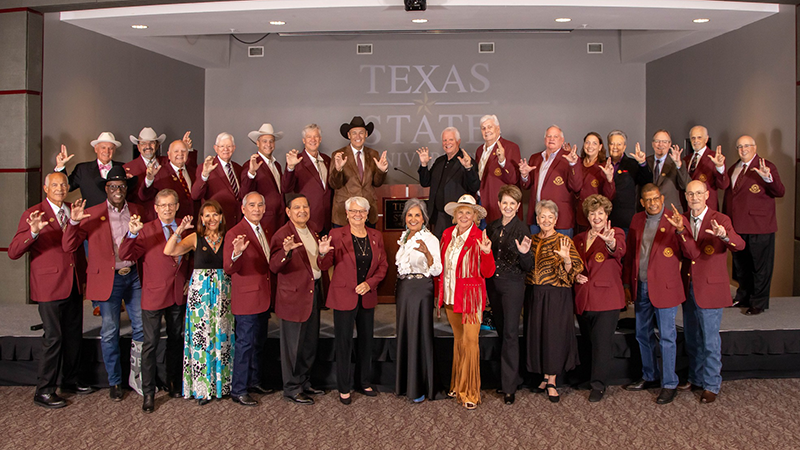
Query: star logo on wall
424	104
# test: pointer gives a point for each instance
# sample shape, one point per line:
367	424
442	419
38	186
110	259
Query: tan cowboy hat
106	136
465	200
265	129
148	134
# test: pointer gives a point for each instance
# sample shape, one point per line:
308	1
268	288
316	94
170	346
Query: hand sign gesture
466	161
563	251
718	157
424	156
500	152
638	154
676	220
208	166
325	245
383	163
152	170
77	213
35	221
608	170
289	244
524	168
62	158
187	140
255	163
762	170
485	244
572	156
240	244
422	248
524	246
292	160
717	230
135	224
608	236
186	224
339	160
675	155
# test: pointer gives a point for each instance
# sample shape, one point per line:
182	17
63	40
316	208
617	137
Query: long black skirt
415	369
552	345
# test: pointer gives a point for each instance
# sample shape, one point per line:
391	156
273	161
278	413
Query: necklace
363	248
215	243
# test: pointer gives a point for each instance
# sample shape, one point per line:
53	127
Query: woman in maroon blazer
598	289
359	263
598	177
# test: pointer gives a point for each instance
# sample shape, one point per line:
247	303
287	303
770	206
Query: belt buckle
124	271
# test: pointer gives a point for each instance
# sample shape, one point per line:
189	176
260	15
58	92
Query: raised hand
339	161
289	244
187	141
563	250
608	170
717	230
424	156
675	155
466	161
524	246
608	236
762	170
383	163
240	244
676	220
62	158
208	166
186	224
524	168
718	157
135	224
638	154
76	213
485	244
362	288
500	152
292	160
422	248
572	156
35	221
152	170
325	245
255	163
581	278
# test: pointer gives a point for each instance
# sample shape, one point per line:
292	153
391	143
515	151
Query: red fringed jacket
474	267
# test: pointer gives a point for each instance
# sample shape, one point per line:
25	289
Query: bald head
177	153
696	196
698	135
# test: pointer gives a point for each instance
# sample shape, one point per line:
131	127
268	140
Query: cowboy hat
265	129
465	200
357	122
117	173
148	134
106	136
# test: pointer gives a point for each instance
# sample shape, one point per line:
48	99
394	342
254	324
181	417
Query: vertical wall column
796	286
21	39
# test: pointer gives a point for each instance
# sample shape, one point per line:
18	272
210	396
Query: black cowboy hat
117	173
357	122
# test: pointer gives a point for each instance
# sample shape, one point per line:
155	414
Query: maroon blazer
562	183
706	172
163	279
709	271
138	169
342	292
495	177
295	293
167	178
603	291
594	182
219	188
100	260
250	276
264	183
751	203
664	283
304	179
53	270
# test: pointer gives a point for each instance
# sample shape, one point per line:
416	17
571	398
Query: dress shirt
660	164
56	209
258	231
270	162
546	162
224	169
697	221
487	151
453	254
319	164
310	246
409	260
361	156
649	233
118	219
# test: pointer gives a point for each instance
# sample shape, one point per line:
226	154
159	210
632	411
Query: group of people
211	248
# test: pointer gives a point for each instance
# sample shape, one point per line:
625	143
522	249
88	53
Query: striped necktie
232	179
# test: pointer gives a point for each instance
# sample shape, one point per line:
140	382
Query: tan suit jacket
346	183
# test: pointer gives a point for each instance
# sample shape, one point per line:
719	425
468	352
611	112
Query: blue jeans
566	231
129	288
251	330
703	344
646	337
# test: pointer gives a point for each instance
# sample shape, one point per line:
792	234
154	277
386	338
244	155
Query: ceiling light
419	20
563	20
277	22
701	20
139	27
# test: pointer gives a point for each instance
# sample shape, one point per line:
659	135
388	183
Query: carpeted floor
749	414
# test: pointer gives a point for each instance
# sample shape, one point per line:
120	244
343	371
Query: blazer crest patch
668	252
702	177
755	189
709	250
497	172
599	257
558	181
595	183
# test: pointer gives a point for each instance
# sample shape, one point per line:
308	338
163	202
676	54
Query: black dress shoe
641	385
203	401
312	391
508	399
301	398
77	389
345	400
552	398
175	394
149	403
596	395
244	400
52	401
258	389
666	396
372	392
753	311
115	393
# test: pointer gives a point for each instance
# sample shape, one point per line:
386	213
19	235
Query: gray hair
546	204
168	193
309	127
491	117
244	199
412	202
360	201
454	130
222	136
557	128
617	133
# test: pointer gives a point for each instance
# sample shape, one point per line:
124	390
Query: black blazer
85	177
628	177
453	182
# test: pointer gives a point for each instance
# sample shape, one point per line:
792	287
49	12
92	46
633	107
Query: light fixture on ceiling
419	20
277	22
563	20
139	27
701	20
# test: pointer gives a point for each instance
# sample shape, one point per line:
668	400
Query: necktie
693	164
186	178
657	171
104	168
323	172
695	227
62	219
170	232
275	174
360	165
183	181
232	180
740	175
263	241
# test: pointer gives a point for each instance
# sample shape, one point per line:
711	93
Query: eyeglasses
358	212
116	187
690	194
745	146
662	141
167	205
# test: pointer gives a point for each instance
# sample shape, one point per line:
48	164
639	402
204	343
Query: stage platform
764	346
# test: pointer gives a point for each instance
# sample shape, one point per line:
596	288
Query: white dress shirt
409	260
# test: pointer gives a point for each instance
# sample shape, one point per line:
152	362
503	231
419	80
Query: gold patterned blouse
548	267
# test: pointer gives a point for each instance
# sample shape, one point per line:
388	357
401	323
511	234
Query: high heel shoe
345	400
539	389
552	398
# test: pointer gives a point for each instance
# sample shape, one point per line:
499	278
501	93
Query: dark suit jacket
706	172
751	203
162	278
709	271
250	275
346	183
266	185
453	182
671	182
495	177
167	178
342	293
218	188
603	291
53	270
304	179
295	293
100	260
562	183
85	176
629	176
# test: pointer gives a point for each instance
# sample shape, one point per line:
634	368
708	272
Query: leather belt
126	270
411	276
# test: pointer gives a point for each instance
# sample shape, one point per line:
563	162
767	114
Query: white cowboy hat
106	136
148	134
465	200
265	129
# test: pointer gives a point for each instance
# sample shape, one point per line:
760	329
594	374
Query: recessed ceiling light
701	20
277	22
139	27
419	20
563	20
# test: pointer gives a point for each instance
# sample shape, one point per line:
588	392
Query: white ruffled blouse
409	260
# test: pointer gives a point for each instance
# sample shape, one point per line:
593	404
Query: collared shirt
487	151
649	233
56	209
310	246
104	172
452	256
118	220
700	154
224	169
697	221
319	164
409	260
258	231
182	172
355	152
270	162
546	163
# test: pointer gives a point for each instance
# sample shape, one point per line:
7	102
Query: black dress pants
507	297
299	348
599	327
62	321
752	267
343	321
151	327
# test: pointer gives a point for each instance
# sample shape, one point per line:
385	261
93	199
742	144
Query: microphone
407	174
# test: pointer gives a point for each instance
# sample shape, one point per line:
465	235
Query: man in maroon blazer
164	283
706	166
707	287
149	145
174	175
262	174
307	174
553	174
497	160
109	278
246	260
55	286
656	243
218	179
294	252
750	203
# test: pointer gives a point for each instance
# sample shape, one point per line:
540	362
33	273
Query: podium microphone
407	174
